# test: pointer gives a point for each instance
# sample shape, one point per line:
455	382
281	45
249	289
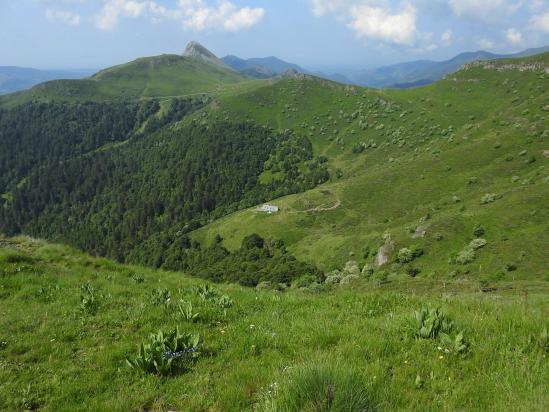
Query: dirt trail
321	208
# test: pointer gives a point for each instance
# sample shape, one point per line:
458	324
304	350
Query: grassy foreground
69	321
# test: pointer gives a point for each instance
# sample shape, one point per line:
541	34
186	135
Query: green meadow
336	347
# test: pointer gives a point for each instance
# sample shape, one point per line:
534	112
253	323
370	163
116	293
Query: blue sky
314	33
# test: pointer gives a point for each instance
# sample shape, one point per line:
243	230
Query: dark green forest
256	261
126	182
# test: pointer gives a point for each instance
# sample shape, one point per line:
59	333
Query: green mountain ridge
159	76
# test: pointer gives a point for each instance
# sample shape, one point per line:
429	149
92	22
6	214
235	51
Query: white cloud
194	14
541	22
66	17
514	36
198	16
376	22
372	19
114	9
446	37
484	9
486	43
322	7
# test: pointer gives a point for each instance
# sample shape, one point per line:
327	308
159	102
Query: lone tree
253	241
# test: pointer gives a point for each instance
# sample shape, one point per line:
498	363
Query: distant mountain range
423	72
13	79
262	67
401	75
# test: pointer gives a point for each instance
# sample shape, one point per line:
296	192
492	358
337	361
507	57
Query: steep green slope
426	166
165	75
70	321
128	181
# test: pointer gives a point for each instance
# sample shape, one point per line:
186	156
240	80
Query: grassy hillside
70	321
165	75
428	166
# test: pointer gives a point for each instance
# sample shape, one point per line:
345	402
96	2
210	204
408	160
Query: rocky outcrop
384	253
195	50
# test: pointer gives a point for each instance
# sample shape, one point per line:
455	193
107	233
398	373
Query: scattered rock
385	251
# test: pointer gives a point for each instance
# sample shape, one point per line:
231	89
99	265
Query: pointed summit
195	50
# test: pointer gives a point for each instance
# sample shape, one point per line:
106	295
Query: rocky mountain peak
197	51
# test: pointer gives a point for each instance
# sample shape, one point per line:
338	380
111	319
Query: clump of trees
256	261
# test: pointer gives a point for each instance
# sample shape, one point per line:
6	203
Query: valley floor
69	322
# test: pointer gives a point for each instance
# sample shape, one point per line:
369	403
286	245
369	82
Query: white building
268	208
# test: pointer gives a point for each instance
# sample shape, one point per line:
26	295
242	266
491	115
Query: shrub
160	296
333	279
465	256
137	278
488	198
417	251
380	276
431	322
454	344
510	267
479	231
351	268
265	285
319	388
413	272
224	303
349	279
478	243
166	353
185	310
205	292
405	255
253	241
367	270
88	302
303	281
358	148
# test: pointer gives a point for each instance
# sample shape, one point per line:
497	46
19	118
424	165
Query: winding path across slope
323	209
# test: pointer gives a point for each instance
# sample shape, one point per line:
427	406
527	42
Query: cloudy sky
313	33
